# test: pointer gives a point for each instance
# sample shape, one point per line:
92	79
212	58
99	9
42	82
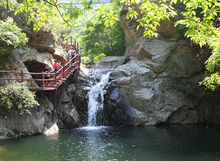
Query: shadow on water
171	143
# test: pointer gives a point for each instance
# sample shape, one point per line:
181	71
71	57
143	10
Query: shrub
99	57
18	97
11	35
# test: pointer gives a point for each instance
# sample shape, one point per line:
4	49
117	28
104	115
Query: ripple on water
93	128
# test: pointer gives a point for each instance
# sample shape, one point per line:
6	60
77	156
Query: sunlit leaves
212	81
109	16
99	57
17	96
150	15
201	30
10	34
40	11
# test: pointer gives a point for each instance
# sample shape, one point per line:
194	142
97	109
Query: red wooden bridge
48	80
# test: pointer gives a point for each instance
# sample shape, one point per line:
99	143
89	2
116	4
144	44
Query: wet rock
119	112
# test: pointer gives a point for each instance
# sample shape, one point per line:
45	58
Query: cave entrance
36	67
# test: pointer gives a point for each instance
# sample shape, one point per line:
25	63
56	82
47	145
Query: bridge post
43	80
55	78
63	70
54	104
22	76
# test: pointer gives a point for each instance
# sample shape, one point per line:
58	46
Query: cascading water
96	95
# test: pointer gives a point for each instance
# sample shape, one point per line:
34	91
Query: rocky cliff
157	81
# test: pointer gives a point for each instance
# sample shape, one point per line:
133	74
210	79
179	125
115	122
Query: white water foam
96	97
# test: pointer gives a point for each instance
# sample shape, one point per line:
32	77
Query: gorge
145	105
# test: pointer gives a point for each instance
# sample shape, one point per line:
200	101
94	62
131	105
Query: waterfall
96	94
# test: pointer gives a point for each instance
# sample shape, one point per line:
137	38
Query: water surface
172	143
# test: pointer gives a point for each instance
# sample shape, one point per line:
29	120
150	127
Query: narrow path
51	80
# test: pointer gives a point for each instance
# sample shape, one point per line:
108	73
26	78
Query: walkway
51	80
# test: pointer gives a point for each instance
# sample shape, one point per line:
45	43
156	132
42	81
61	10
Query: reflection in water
173	143
95	147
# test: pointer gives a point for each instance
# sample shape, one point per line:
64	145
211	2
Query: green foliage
199	18
98	38
110	17
150	14
18	97
212	81
11	35
99	57
102	35
85	60
39	12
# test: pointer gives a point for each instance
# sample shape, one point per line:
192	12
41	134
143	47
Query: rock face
161	87
12	124
30	55
67	113
130	28
159	84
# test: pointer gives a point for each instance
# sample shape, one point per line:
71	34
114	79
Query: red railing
71	42
46	80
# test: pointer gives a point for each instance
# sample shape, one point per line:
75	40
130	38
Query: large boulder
43	40
111	62
166	29
17	68
118	110
154	49
34	59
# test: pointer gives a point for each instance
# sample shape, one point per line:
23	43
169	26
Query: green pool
170	143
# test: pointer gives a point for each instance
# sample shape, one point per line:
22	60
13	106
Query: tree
39	12
103	35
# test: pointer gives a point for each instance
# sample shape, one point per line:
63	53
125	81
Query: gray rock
14	125
133	67
67	112
160	85
111	62
143	94
185	60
